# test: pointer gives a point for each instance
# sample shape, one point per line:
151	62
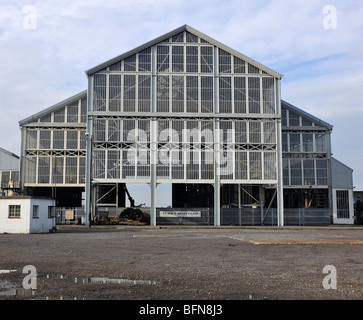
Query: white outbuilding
25	214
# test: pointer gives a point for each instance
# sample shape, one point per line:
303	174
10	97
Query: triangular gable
192	36
54	108
305	115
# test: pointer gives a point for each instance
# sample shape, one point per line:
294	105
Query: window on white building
14	211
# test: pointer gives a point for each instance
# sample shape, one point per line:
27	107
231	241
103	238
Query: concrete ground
192	263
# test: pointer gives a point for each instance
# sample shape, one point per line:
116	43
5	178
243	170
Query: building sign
181	214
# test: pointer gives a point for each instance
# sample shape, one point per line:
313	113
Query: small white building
342	192
25	214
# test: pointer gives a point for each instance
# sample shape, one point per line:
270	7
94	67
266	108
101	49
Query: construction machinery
130	215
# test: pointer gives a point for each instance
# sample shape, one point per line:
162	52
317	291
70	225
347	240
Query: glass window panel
253	69
99	92
286	171
284	143
191	59
225	95
128	130
145	60
44	139
192	93
178	94
224	61
269	131
43	169
321	172
115	66
163	93
238	65
241	131
255	166
241	165
163	58
178	37
191	37
254	95
58	139
30	169
269	159
31	139
82	139
206	94
309	172
308	142
99	164
206	59
129	93
114	130
57	169
72	112
178	58
115	90
255	131
82	170
268	92
59	115
283	117
294	119
113	164
321	142
144	93
84	110
99	130
306	123
295	143
240	95
296	172
130	63
71	170
46	118
72	139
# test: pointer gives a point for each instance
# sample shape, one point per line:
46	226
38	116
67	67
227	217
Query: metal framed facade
54	145
184	108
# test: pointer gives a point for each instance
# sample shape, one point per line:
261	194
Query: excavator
133	212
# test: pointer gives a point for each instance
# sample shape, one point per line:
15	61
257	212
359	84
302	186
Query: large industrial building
186	110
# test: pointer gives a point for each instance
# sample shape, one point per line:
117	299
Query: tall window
35	211
342	204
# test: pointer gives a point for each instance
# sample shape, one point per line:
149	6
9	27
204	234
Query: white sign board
181	214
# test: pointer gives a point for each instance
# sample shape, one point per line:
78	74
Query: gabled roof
55	107
306	115
175	32
9	153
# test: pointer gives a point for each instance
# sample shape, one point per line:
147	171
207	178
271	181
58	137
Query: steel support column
88	174
217	155
279	187
153	140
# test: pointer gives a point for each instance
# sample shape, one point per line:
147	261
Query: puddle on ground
8	289
98	280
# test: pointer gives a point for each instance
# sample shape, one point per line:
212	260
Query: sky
46	47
